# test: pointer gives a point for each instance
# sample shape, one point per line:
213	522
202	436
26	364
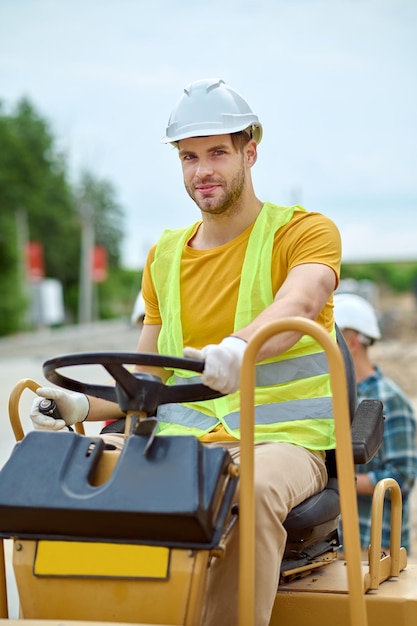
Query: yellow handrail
389	565
14	399
4	609
344	462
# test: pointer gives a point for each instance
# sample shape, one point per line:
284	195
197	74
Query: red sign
34	261
99	264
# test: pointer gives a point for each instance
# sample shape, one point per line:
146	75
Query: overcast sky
333	82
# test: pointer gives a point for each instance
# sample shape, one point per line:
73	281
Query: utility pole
86	287
22	239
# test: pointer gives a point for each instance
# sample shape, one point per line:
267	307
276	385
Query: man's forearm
103	410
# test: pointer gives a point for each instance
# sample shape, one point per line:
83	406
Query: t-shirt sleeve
152	314
313	238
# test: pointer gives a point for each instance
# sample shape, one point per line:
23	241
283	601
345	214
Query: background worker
397	456
207	289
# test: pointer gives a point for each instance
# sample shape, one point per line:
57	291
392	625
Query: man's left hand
222	363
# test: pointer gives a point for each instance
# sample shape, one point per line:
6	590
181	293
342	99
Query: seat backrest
350	372
352	394
367	434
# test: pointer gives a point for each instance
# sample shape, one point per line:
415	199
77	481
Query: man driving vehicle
207	289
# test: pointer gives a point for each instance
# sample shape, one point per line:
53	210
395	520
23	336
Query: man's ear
251	152
351	338
354	342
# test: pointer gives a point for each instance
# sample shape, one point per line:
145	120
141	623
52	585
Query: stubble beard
228	201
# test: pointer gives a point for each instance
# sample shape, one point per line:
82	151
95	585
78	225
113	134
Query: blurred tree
30	173
34	180
399	276
12	301
96	200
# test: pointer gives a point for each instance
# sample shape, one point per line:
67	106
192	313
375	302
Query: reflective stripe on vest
292	410
268	374
186	416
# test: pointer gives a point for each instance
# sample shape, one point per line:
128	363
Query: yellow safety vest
293	400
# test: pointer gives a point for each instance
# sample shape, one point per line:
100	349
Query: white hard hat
354	312
210	107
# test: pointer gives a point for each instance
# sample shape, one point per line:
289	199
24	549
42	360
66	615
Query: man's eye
218	152
188	157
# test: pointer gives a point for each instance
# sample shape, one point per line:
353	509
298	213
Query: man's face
214	172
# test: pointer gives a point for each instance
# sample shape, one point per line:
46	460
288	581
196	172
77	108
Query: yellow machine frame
344	592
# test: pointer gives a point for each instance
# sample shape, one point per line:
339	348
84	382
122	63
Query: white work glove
222	363
73	407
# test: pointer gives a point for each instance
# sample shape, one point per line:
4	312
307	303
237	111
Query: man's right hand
222	363
73	407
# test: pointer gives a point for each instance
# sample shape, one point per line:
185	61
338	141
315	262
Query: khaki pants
285	475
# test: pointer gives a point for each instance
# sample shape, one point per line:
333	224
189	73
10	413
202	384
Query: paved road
22	357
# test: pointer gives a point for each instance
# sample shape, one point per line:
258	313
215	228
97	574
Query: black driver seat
312	525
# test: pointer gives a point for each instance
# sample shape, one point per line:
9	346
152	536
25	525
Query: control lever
49	407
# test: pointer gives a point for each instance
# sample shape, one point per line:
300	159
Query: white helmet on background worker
210	107
356	313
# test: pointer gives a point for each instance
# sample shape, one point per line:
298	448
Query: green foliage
400	277
12	301
31	176
116	296
35	184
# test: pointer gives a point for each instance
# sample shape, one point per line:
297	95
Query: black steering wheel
133	391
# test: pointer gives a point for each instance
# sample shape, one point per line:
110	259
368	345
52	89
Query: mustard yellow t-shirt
210	278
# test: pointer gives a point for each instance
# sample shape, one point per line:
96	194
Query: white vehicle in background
138	312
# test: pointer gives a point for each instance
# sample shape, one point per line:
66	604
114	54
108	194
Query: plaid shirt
396	458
